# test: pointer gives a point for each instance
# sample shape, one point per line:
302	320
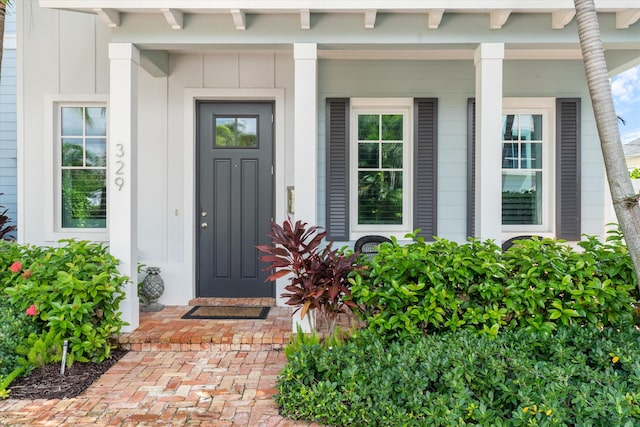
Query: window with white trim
380	166
81	151
527	166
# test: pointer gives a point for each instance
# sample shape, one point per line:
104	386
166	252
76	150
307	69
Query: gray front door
235	191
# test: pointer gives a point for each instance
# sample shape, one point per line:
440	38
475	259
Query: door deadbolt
203	225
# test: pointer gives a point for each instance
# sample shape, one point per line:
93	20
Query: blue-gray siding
8	163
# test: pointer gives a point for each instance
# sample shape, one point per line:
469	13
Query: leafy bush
15	327
76	290
536	284
574	376
6	228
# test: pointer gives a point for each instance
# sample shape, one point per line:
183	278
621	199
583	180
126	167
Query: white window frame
53	223
402	106
546	108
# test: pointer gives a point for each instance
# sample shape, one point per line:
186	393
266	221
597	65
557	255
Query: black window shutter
471	167
568	168
425	199
337	134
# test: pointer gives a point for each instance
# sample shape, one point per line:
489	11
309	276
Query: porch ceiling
561	12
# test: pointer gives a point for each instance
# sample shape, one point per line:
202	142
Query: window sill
79	234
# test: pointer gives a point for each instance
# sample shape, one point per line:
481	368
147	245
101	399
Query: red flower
32	310
16	267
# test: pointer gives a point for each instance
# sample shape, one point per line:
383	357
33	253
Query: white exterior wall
165	156
163	238
51	71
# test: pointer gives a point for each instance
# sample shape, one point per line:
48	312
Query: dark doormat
226	312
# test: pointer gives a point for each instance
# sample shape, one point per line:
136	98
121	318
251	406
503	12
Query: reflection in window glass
96	121
392	155
392	127
368	155
72	121
510	127
83	148
531	127
522	169
236	132
531	155
380	197
380	169
521	198
368	127
72	152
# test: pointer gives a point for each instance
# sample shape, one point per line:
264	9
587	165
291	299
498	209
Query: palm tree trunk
625	201
3	11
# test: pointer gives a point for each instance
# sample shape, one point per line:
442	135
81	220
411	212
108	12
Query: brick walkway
179	373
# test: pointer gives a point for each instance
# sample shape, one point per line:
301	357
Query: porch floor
179	372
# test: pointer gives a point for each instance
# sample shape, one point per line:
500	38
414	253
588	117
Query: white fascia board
174	18
335	5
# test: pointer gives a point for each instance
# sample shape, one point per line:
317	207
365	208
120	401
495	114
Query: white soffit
627	11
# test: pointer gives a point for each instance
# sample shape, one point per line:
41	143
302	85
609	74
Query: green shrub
15	327
76	290
550	283
574	376
537	284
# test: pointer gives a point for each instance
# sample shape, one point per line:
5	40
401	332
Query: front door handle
204	225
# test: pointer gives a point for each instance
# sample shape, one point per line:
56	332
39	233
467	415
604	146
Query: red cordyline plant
318	275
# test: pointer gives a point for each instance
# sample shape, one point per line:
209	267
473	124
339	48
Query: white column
305	57
488	62
123	193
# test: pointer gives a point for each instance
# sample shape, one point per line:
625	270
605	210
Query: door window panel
236	132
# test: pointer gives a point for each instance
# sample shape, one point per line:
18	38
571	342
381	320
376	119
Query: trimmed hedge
575	376
537	285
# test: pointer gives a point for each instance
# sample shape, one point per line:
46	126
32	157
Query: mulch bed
47	383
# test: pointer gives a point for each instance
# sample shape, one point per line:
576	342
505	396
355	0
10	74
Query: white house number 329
119	172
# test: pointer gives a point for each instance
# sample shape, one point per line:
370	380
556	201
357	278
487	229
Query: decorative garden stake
63	362
152	289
